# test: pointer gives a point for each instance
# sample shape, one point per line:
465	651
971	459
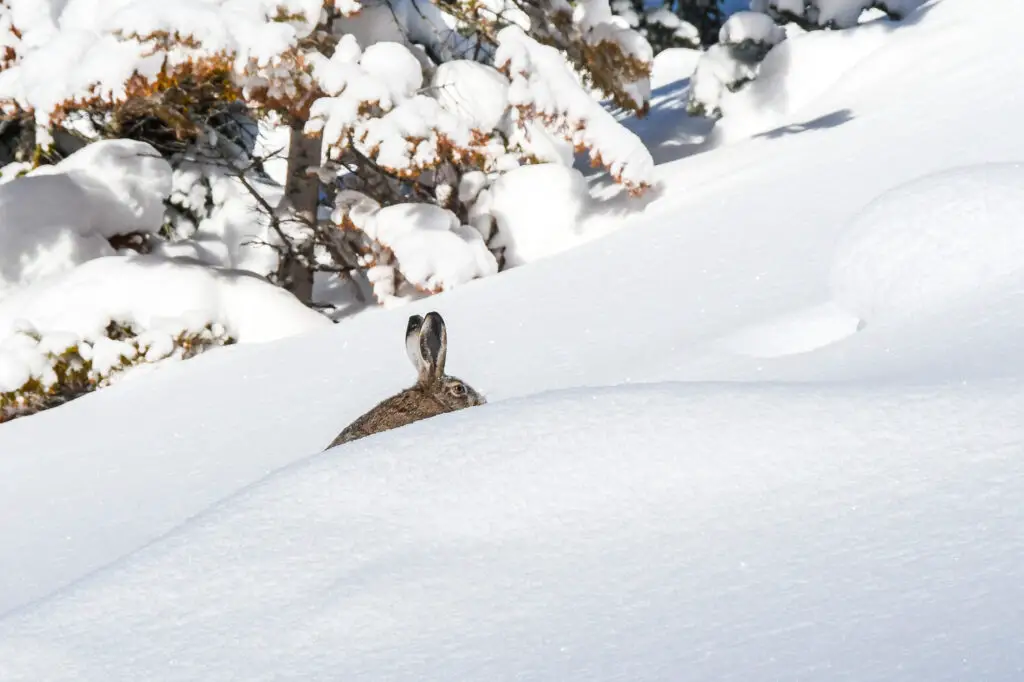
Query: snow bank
627	533
62	215
157	294
922	245
537	209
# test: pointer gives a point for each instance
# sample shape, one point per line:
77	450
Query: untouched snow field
771	428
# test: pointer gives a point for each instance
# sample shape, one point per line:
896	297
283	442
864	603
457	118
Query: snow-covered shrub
743	42
673	23
59	216
267	109
747	37
72	333
819	14
38	373
525	231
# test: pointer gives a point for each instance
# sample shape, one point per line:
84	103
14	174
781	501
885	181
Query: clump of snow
751	27
393	65
374	104
673	64
537	210
434	251
472	90
543	86
930	241
59	216
717	73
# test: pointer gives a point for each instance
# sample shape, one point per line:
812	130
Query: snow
696	461
788	547
925	244
159	298
716	74
393	65
105	189
750	26
673	64
538	210
236	231
837	13
433	250
157	293
472	90
542	84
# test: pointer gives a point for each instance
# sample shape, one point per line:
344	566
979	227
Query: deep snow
821	481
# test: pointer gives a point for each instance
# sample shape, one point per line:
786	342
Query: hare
434	392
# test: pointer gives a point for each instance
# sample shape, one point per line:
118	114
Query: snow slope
809	489
839	534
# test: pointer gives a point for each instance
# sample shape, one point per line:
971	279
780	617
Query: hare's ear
412	342
433	348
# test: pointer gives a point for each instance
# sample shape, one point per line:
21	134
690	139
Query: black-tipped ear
433	347
412	342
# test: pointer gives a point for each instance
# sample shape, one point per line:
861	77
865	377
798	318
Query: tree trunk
303	192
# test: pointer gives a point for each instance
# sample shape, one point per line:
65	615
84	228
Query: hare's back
399	410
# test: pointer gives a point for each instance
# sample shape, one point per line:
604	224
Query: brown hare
434	393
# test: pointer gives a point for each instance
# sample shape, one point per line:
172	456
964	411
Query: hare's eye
458	390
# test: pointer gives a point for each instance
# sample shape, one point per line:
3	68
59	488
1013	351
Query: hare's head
426	342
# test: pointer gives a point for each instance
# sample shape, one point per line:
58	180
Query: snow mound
156	294
623	533
62	215
537	209
943	236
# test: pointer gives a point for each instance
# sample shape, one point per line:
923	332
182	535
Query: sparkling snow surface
820	477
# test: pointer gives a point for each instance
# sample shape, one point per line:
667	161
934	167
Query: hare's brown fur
433	393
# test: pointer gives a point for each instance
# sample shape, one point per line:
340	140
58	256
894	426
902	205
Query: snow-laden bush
268	109
818	14
59	216
38	373
673	23
69	334
747	37
743	42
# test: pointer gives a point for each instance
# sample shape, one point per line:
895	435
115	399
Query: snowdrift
658	533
